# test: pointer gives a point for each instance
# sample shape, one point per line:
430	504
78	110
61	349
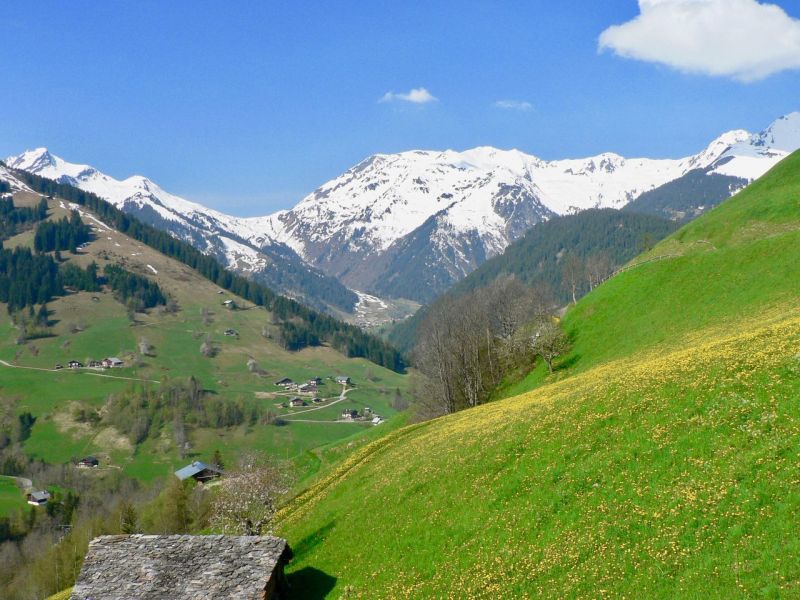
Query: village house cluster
107	363
311	386
308	387
351	414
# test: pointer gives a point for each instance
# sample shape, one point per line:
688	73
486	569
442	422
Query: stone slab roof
179	567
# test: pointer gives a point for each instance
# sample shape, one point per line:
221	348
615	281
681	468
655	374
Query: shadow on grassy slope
309	582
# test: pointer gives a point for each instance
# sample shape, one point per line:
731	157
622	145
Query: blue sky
248	106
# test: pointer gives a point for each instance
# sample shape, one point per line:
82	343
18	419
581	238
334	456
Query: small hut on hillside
183	567
39	498
199	471
88	462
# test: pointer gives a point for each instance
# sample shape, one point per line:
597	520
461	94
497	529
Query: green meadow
87	326
659	461
11	498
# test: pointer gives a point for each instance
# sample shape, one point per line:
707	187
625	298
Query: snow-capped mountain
783	134
212	232
411	224
14	184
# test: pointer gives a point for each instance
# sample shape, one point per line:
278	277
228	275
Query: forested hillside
687	197
14	219
567	254
117	351
300	326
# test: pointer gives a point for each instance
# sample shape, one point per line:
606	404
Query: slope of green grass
89	326
660	462
535	259
11	498
738	259
639	478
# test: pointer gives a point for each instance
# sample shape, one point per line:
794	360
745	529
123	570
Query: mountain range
410	225
225	237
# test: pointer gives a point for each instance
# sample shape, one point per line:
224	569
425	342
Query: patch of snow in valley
241	255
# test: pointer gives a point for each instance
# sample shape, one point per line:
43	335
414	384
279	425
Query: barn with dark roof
199	471
183	567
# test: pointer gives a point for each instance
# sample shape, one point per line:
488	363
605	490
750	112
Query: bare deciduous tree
179	432
599	267
468	344
145	349
207	348
572	271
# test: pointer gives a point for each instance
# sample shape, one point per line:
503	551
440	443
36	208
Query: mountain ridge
212	232
356	228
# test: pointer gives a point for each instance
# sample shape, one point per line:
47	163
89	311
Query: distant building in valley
349	414
38	498
199	471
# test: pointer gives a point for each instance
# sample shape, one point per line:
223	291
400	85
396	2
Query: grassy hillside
536	258
738	260
95	325
11	498
660	462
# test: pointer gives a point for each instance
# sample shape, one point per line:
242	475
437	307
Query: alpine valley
410	225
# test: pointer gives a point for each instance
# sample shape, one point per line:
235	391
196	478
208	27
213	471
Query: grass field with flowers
662	461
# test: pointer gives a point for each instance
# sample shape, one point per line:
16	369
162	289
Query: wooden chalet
199	471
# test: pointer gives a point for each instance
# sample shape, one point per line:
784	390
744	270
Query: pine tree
216	460
41	316
129	520
175	514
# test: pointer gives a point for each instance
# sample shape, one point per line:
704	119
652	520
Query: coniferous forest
15	219
65	234
27	279
131	288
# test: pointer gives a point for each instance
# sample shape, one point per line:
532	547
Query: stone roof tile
180	567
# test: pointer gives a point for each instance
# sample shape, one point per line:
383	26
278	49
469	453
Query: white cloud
415	96
520	105
742	39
